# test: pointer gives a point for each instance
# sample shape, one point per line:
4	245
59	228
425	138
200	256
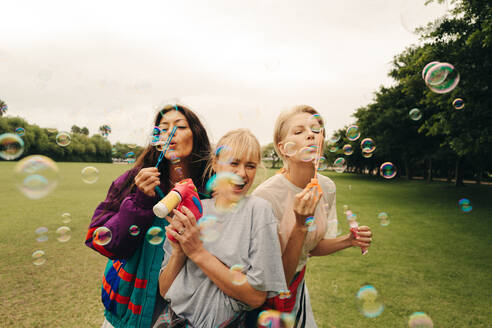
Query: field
432	257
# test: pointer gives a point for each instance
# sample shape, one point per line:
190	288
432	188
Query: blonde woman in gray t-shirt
297	132
211	282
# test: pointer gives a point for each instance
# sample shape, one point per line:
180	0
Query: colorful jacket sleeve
135	209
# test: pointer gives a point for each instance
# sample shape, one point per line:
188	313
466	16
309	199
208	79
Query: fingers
147	179
173	233
189	214
176	224
185	221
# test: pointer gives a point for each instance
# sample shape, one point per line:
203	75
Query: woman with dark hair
130	283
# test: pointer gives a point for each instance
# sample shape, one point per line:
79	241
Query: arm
304	206
135	209
171	271
329	246
217	272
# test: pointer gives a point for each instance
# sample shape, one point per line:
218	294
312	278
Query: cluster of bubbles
105	130
63	234
440	77
368	146
36	176
420	320
369	301
11	146
465	205
89	174
63	139
384	219
273	318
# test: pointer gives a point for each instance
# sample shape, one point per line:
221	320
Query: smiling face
243	169
303	133
182	142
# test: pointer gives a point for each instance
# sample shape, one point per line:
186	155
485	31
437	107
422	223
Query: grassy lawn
432	257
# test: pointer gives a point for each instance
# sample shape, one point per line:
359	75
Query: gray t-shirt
247	237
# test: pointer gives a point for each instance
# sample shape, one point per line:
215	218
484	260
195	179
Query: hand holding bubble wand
352	218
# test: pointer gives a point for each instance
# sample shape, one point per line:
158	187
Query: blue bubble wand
166	146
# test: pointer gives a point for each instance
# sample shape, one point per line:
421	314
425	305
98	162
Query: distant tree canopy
445	142
82	148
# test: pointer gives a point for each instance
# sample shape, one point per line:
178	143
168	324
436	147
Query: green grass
432	257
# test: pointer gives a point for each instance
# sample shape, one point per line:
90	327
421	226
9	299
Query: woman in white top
293	201
198	277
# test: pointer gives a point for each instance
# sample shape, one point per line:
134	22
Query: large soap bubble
36	176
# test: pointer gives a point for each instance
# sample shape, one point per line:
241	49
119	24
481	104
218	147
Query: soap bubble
384	219
130	157
237	276
310	224
333	148
63	234
353	132
420	320
367	145
315	123
36	176
369	301
290	148
222	154
465	205
155	235
415	114
387	170
427	67
307	154
284	294
207	226
90	174
38	257
442	78
340	165
323	164
367	155
41	232
63	139
458	103
348	150
66	218
102	236
334	139
11	146
134	230
20	131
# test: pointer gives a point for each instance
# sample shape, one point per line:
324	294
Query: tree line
445	142
81	148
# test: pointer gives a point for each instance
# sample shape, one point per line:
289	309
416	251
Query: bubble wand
352	219
166	146
314	181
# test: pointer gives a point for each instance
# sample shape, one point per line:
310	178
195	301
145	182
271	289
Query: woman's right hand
174	225
305	204
147	179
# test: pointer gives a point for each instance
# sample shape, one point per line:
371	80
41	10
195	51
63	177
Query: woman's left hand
364	237
189	236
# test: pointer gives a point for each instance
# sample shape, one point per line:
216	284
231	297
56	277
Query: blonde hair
236	144
280	129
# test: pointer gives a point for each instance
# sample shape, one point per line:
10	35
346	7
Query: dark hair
197	161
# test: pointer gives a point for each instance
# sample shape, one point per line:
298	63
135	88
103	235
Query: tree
75	129
85	131
3	107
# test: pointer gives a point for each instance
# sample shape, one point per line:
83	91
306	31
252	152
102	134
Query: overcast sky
235	63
